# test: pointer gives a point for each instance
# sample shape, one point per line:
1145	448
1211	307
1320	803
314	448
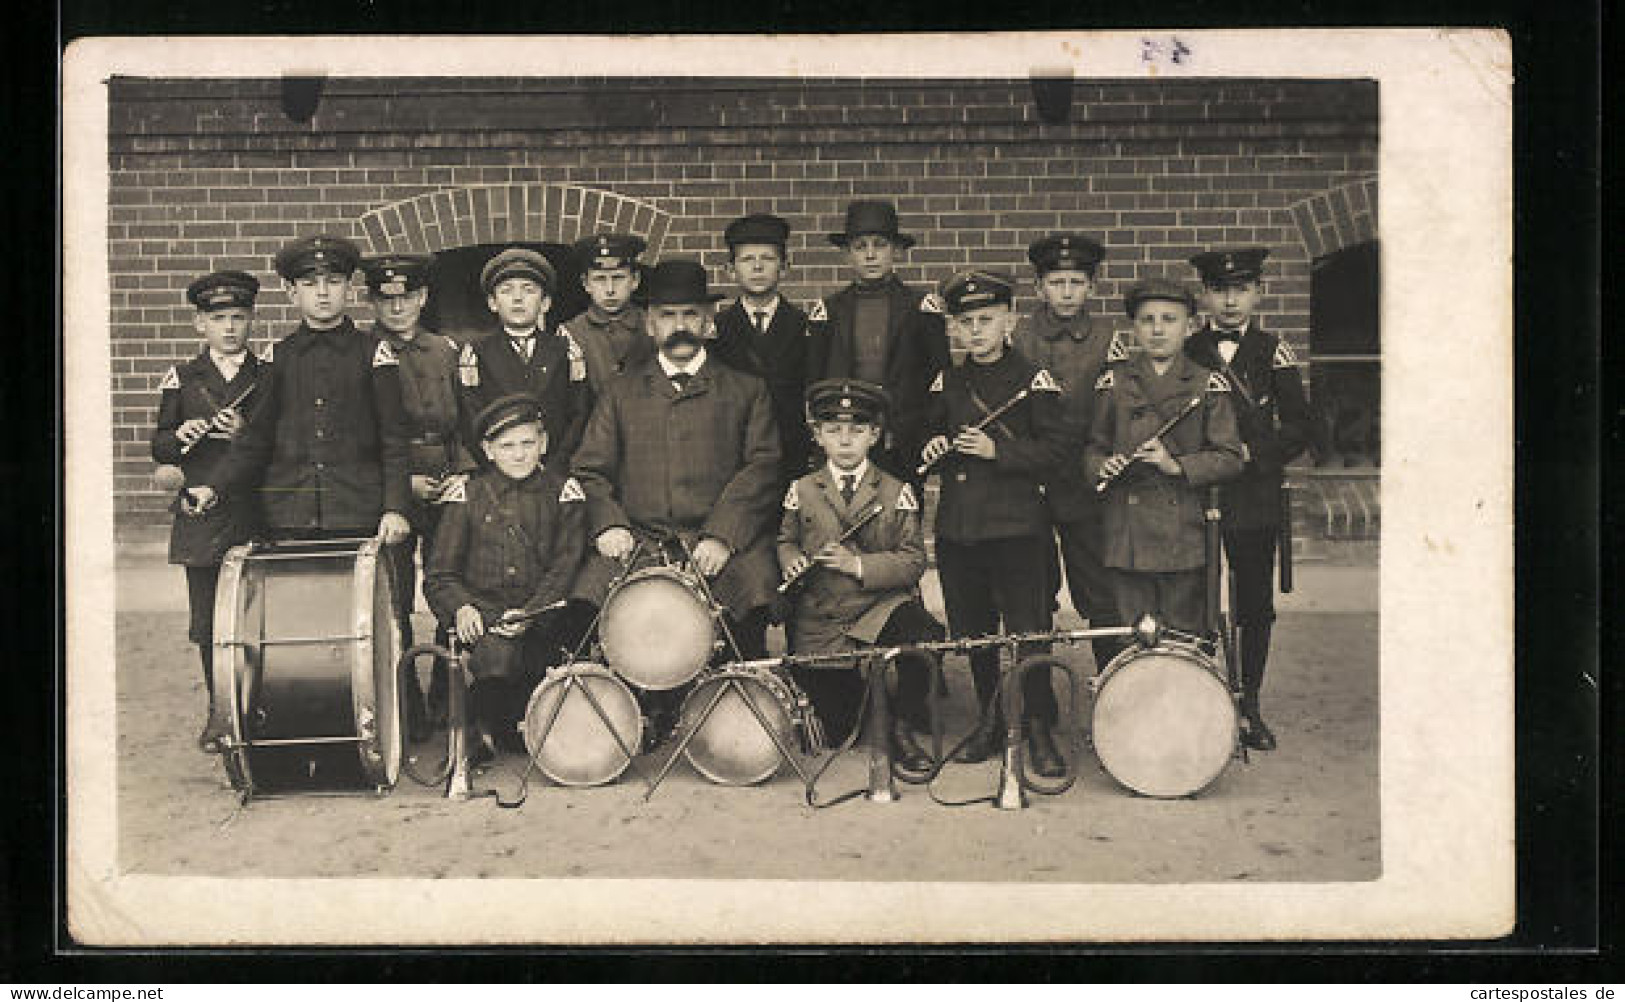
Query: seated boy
1153	517
507	549
865	589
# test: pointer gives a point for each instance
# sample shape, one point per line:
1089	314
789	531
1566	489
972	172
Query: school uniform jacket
612	343
1153	521
832	610
916	350
1002	497
1272	415
780	357
328	447
506	544
555	374
703	461
431	400
196	389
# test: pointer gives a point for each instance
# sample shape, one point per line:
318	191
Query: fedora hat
871	217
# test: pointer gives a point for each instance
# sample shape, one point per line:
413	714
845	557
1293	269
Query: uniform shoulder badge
936	384
265	355
468	366
931	303
905	499
171	380
1217	383
792	502
1116	351
578	358
725	304
572	491
817	311
1285	357
1105	382
384	355
1043	382
456	491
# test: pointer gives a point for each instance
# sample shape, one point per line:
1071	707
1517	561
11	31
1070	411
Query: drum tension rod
730	681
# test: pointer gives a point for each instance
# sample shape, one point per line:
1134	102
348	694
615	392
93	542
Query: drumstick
987	419
240	398
1167	426
851	531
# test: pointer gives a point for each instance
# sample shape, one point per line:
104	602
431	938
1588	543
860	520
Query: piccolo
216	416
852	530
987	419
960	646
1167	426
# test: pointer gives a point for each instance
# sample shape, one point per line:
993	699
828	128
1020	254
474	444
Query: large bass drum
1164	723
579	749
657	630
305	653
732	748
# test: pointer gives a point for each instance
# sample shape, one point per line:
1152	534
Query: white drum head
1164	724
656	632
580	750
732	748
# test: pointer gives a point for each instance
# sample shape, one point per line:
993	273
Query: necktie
523	345
761	321
849	487
680	380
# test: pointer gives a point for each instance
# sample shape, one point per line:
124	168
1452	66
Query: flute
987	419
240	398
1167	426
852	530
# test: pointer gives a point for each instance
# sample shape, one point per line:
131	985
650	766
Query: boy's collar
836	473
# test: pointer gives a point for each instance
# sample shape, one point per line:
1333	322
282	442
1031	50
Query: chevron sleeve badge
468	366
932	303
1116	351
1285	357
383	356
578	358
817	312
1105	382
905	499
1216	383
792	502
1043	382
572	491
455	491
265	356
936	385
171	380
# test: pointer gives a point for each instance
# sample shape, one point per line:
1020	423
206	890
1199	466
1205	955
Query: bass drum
305	653
1164	724
732	748
656	629
580	749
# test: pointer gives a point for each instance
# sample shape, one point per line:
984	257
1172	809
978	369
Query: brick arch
504	213
1337	218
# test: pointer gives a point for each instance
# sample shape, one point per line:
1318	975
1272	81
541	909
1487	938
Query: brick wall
214	174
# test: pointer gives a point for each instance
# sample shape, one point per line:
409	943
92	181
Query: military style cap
672	283
863	218
222	290
831	399
396	274
517	262
970	290
760	228
1065	252
1161	289
1236	264
609	250
505	412
317	253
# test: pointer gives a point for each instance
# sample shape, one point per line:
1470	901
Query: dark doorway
457	307
1345	357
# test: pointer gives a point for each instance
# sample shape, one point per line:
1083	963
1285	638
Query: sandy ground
1306	812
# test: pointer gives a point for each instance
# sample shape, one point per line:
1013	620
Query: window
1345	359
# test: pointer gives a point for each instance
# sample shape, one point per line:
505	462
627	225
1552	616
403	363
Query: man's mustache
684	336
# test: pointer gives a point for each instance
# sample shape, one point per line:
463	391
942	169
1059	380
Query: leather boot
1041	751
208	740
909	760
1254	642
987	742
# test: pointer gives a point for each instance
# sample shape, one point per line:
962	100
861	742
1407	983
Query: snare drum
305	652
580	749
732	748
656	629
1164	723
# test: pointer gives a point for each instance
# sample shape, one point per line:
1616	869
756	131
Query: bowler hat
672	283
760	228
864	218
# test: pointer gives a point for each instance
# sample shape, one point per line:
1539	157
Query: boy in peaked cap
864	590
763	333
1063	336
511	538
1153	508
204	404
1275	422
610	329
879	330
328	447
527	355
992	528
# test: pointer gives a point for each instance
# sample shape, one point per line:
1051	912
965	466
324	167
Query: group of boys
759	442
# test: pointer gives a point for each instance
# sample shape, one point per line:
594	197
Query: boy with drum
851	536
509	543
1153	503
204	404
996	434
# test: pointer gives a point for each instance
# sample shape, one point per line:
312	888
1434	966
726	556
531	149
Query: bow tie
680	379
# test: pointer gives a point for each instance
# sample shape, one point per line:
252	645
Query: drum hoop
664	572
1181	652
228	652
363	687
778	693
556	677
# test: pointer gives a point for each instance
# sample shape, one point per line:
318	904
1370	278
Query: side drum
1164	723
656	629
579	749
305	649
732	748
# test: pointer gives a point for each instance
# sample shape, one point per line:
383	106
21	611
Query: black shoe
1042	753
986	743
909	761
482	749
1257	734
